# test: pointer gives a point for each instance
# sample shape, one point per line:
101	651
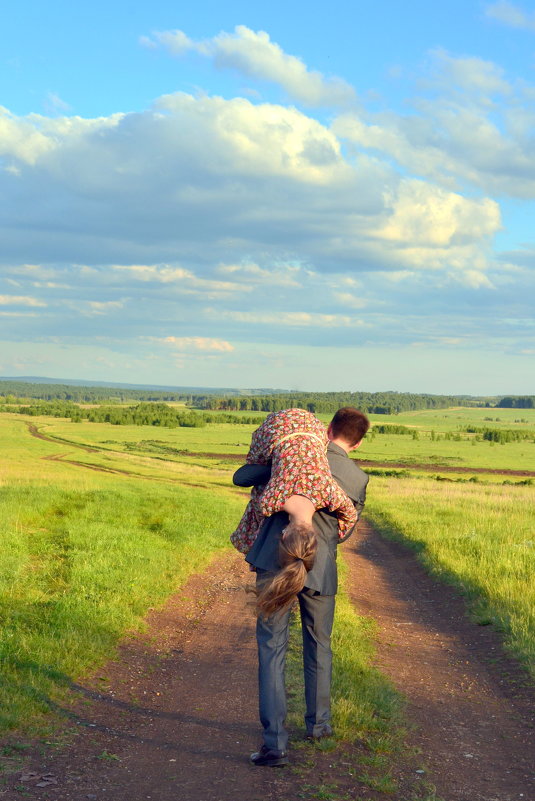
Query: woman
295	442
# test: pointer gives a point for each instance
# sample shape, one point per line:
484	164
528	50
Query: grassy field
481	539
92	539
84	555
428	449
451	419
429	445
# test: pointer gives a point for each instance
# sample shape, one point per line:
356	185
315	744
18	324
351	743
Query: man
316	600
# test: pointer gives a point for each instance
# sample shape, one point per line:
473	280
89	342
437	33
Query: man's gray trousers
317	613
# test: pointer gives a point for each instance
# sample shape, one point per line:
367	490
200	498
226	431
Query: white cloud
280	276
20	300
31	271
55	105
475	279
179	277
347	299
20	138
511	15
51	285
17	314
468	73
423	215
206	181
262	140
253	54
290	319
198	343
29	139
470	125
397	276
94	308
176	42
452	340
104	306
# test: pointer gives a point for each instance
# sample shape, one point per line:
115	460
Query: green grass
479	538
451	419
80	567
221	438
214	438
86	553
402	449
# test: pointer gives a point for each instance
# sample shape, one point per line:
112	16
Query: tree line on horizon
144	414
330	402
23	390
318	402
517	402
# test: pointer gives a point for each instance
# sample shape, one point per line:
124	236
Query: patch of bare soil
449	468
473	707
425	467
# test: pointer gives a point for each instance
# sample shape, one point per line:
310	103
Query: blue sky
279	194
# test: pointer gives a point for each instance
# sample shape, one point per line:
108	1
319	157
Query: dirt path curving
38	434
99	468
474	708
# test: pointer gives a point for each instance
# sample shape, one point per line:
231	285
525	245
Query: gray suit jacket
264	553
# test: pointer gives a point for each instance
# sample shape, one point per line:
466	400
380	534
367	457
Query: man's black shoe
270	757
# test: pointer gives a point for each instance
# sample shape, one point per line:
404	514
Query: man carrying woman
291	466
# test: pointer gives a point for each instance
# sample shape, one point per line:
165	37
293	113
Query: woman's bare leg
299	509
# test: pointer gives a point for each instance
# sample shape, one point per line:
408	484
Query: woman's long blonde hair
297	551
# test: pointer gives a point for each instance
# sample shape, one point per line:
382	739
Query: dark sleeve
252	475
357	493
359	505
362	494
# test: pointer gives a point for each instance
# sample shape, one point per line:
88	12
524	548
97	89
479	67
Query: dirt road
173	718
474	709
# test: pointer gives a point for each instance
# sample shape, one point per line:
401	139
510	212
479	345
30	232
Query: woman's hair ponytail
297	551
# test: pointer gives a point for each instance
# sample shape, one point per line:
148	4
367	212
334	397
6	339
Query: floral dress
295	442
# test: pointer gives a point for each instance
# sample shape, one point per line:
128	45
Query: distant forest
97	394
319	402
143	414
330	402
517	402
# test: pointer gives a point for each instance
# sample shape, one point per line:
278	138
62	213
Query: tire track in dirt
446	468
431	468
474	708
62	457
234	457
